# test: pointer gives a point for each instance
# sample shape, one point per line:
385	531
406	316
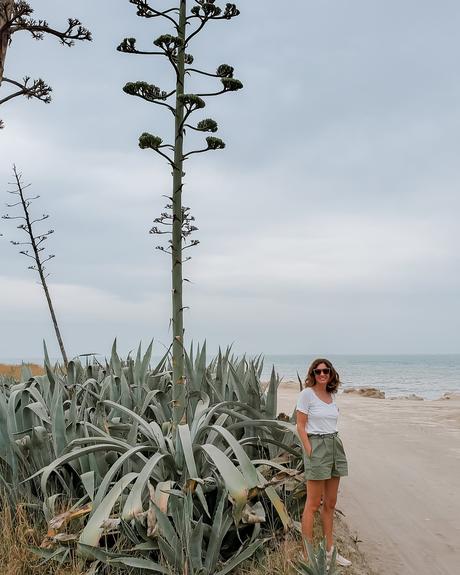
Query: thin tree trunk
177	306
6	9
41	271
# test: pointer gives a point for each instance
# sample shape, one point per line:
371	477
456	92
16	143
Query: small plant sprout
34	246
317	563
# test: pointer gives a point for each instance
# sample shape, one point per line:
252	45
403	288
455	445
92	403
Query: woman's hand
302	420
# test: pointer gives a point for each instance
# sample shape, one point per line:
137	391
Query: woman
325	460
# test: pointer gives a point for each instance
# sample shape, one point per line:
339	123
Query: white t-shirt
322	416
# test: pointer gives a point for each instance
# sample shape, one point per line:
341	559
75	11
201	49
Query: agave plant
318	562
115	480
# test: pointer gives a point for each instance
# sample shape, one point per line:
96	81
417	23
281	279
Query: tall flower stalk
176	221
34	247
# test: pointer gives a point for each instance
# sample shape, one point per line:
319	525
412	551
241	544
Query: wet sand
402	496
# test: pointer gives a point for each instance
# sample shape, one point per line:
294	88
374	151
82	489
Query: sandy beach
401	497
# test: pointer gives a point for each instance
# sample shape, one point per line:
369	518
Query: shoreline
374	392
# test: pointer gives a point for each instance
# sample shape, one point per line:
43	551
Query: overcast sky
328	225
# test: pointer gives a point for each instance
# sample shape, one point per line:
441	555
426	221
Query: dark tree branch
66	37
16	16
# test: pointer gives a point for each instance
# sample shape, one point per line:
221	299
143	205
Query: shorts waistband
323	435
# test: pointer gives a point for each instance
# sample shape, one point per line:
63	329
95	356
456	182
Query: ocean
429	376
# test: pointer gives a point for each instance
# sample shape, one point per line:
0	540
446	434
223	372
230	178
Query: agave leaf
197	371
71	374
151	398
48	554
236	375
45	353
232	477
6	442
88	483
230	407
186	441
169	536
219	529
142	366
246	466
143	424
162	495
199	415
133	505
283	425
115	360
241	556
146	546
114	469
106	439
172	556
138	563
216	394
196	546
160	367
158	434
58	425
269	440
212	435
51	379
271	395
35	394
73	418
67	458
254	514
109	558
252	385
132	434
126	399
274	465
13	421
94	528
279	506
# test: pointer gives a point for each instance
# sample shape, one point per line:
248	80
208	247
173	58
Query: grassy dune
15	370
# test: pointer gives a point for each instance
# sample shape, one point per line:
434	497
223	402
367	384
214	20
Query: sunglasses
325	371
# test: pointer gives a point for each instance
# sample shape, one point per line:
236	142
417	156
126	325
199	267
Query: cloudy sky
328	225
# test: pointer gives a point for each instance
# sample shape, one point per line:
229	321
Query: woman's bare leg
331	487
313	503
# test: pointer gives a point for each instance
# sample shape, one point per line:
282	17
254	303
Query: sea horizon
427	375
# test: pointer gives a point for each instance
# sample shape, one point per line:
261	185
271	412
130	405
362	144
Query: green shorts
327	457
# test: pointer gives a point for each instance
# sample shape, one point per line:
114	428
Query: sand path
403	494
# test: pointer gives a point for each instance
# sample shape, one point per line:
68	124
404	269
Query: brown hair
334	379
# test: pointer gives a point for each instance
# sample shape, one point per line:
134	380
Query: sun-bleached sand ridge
402	496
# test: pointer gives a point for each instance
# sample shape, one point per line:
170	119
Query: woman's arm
302	419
